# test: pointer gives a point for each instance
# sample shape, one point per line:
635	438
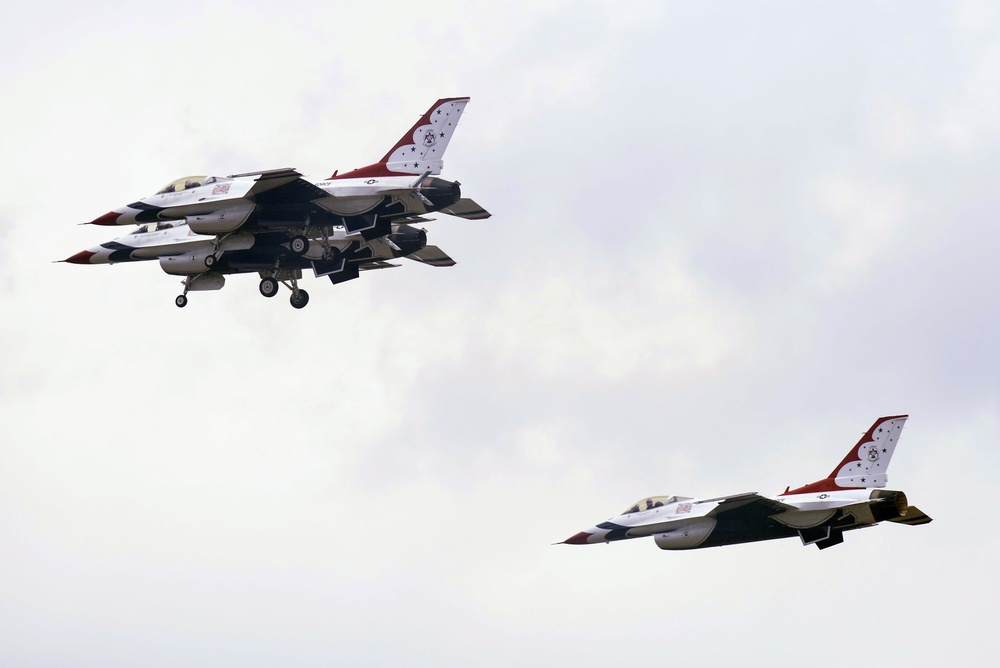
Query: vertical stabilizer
867	463
421	149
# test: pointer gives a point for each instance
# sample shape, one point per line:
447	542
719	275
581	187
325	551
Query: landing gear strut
271	280
182	300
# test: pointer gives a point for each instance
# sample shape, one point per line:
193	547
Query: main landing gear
299	299
269	286
298	244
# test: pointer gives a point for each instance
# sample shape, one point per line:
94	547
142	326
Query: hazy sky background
725	238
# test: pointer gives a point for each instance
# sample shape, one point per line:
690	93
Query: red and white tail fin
421	149
867	463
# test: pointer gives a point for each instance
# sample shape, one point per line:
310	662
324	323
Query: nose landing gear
204	281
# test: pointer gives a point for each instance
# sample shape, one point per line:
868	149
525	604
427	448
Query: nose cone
83	257
110	218
578	539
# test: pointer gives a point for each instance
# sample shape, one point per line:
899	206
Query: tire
181	301
209	261
300	299
298	245
268	287
333	255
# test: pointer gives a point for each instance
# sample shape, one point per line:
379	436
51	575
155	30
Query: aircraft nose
83	257
110	218
578	539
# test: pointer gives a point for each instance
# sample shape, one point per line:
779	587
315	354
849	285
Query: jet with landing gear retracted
851	497
277	223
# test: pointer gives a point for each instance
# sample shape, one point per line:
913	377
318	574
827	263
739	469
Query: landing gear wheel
209	261
181	301
298	244
268	286
333	255
299	299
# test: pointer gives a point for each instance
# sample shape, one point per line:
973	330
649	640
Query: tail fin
867	463
421	149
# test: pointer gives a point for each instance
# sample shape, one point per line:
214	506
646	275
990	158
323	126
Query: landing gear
299	244
270	282
206	280
209	261
269	286
299	298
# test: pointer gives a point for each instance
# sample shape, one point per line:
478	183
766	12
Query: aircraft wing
758	502
433	256
467	208
735	508
283	190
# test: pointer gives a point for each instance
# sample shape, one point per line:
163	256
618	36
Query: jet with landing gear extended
851	497
278	223
204	259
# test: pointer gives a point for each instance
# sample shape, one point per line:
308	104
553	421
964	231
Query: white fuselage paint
181	240
345	197
810	510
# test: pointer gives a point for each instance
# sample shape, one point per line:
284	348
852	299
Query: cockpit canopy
650	502
153	227
187	182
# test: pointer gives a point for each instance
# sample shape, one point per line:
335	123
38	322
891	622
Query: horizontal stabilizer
378	264
913	517
468	209
433	256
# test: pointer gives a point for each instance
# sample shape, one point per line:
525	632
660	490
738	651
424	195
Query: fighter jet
819	513
278	223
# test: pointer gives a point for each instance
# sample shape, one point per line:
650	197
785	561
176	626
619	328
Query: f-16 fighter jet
277	223
851	497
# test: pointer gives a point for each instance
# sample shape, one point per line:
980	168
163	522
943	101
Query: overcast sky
725	238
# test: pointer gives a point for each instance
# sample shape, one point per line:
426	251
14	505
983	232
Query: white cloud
864	218
608	325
